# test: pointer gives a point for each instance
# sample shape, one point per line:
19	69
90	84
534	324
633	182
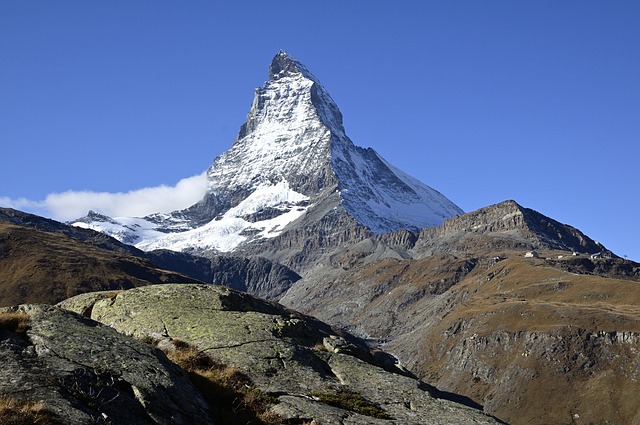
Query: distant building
602	254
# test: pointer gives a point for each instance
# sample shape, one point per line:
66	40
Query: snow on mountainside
291	153
223	234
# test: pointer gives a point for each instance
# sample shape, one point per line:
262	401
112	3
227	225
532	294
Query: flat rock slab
286	354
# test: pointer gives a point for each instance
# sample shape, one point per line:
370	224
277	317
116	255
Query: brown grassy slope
378	299
530	339
45	267
534	344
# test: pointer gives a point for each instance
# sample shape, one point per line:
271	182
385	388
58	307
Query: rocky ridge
38	266
44	261
507	220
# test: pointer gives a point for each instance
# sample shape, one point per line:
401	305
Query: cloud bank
135	203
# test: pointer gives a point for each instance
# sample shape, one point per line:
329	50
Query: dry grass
18	412
113	294
320	347
48	267
14	321
228	391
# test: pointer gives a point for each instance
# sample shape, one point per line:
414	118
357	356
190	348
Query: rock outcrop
303	363
503	225
82	372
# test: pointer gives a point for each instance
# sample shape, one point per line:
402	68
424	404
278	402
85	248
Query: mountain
500	305
460	305
510	223
291	169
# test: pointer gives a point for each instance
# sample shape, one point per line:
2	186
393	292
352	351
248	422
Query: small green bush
354	402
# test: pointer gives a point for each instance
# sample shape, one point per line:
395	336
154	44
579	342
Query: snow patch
223	234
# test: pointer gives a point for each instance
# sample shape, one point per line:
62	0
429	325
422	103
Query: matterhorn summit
292	171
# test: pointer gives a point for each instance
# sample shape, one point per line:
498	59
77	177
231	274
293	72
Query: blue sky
535	101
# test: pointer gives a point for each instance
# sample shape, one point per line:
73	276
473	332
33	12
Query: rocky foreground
83	362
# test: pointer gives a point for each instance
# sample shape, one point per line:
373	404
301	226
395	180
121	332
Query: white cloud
135	203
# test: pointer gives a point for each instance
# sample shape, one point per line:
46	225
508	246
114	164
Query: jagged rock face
290	161
294	133
86	373
288	136
257	276
286	354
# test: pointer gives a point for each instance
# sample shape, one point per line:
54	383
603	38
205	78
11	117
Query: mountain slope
45	261
290	167
461	307
44	267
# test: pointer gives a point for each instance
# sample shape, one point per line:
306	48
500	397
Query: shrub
354	402
320	347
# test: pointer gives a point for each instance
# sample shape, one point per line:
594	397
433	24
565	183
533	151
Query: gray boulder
314	373
82	372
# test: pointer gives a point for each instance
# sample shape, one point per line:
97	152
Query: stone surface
284	353
87	373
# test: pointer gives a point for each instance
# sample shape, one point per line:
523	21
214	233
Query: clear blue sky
537	101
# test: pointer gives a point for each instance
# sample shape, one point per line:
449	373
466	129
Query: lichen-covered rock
86	373
292	357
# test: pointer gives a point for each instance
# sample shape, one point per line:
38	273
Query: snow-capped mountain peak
290	156
287	134
284	65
